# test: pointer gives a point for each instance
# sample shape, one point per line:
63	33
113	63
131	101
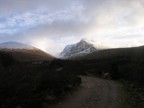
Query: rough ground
95	93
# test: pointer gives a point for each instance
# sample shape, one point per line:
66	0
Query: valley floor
95	93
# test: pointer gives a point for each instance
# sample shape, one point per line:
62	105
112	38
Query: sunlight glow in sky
52	24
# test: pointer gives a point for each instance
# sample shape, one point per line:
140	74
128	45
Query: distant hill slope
24	52
133	53
83	47
15	45
118	63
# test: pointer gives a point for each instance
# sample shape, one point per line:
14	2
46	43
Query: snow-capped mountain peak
83	47
96	44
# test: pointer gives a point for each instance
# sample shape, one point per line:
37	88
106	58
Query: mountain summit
24	52
15	45
81	48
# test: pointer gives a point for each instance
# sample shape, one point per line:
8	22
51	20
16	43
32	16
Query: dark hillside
121	63
26	55
30	84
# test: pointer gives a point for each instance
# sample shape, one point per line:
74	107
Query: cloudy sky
52	24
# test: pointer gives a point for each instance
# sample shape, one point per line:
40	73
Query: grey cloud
10	6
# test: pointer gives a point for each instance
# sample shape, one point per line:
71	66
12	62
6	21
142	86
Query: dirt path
95	93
